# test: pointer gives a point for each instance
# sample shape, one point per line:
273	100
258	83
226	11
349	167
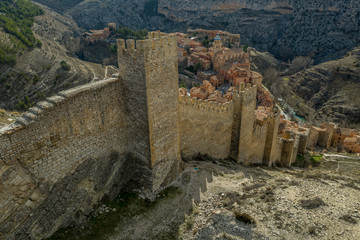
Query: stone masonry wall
258	143
162	99
247	121
205	127
76	139
66	129
149	79
271	145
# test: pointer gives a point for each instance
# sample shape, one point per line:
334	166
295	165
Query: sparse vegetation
183	84
300	63
189	221
113	48
65	66
312	230
206	42
245	48
17	18
125	32
312	203
244	217
348	218
35	79
124	206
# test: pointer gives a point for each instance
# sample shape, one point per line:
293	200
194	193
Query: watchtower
148	75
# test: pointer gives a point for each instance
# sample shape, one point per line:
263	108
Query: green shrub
125	32
113	48
206	42
183	84
65	66
17	18
312	203
197	67
35	79
244	217
245	48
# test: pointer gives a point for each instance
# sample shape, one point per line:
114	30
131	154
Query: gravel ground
222	200
285	204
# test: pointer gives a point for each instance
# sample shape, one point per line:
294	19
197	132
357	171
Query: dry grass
312	203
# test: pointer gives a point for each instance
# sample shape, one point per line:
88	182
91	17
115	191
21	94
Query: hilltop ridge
286	28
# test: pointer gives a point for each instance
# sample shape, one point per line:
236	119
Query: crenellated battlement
155	41
245	90
206	105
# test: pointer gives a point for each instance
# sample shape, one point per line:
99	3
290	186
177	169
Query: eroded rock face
331	90
286	28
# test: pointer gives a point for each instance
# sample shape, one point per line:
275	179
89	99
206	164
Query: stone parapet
204	105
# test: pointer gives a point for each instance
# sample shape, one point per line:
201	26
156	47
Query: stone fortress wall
60	158
205	127
149	74
69	151
66	129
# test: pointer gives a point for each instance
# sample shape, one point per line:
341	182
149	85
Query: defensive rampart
149	76
60	158
205	127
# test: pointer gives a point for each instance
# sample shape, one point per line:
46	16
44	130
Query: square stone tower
148	74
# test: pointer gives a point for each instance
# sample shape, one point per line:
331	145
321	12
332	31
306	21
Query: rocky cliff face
329	91
286	28
47	70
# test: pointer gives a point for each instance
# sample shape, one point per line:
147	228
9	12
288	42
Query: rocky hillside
328	92
325	30
47	69
227	201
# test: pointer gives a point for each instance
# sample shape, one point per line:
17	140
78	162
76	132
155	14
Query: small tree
65	66
183	84
206	42
300	63
197	67
245	48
